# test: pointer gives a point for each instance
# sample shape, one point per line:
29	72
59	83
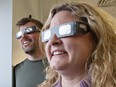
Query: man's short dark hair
23	21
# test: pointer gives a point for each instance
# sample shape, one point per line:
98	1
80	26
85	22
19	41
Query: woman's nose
55	40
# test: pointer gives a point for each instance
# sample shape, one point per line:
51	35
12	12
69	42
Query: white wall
6	43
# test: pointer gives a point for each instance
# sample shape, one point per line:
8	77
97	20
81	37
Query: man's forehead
29	24
25	27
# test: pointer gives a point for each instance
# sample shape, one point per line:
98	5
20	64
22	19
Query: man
29	73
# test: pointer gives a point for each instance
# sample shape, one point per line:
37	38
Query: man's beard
29	50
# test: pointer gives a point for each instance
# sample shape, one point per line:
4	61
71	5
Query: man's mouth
26	43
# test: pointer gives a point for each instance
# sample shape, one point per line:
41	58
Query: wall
6	43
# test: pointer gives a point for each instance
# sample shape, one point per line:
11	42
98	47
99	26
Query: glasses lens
29	30
47	35
64	30
19	34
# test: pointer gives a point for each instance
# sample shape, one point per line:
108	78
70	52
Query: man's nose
23	35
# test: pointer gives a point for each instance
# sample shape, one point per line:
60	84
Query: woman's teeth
58	53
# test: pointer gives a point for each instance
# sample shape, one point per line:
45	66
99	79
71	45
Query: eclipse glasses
28	30
65	30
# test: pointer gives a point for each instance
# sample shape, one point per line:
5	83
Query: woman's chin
57	66
54	66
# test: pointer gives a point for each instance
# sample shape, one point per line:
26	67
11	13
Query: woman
80	45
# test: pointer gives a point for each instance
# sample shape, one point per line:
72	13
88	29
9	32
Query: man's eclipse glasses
28	30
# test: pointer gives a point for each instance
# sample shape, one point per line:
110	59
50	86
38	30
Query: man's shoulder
19	64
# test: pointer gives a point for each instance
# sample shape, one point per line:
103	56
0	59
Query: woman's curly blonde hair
102	62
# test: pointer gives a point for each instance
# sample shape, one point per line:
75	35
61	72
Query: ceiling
39	9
